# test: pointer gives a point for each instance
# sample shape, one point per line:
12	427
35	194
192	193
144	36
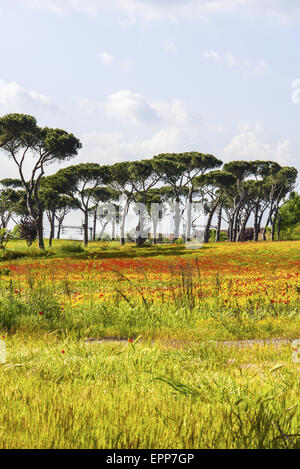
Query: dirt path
254	342
227	343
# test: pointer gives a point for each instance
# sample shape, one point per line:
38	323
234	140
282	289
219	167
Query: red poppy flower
63	352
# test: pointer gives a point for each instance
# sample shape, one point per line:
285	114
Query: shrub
15	233
28	230
147	244
72	248
38	309
11	311
4	237
212	236
5	271
34	252
11	255
247	234
179	241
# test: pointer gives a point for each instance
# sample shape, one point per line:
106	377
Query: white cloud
175	129
126	64
250	144
108	147
165	140
132	108
171	10
164	126
135	108
170	47
176	112
90	7
86	105
296	92
14	98
106	58
228	59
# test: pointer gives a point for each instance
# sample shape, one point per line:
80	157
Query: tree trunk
218	231
256	225
40	230
123	221
274	223
59	230
141	226
236	228
95	225
278	227
208	224
155	223
189	218
269	217
37	215
122	230
176	221
156	216
242	229
85	227
102	231
52	227
267	225
230	230
113	229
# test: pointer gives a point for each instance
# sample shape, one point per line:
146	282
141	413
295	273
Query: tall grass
179	309
110	395
175	387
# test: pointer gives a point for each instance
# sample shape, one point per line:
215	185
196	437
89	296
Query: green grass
174	387
17	249
39	308
146	395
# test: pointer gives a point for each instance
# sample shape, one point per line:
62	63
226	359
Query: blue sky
134	78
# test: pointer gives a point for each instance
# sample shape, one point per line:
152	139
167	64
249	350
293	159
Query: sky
135	78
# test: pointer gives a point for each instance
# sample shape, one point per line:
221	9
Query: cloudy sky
134	78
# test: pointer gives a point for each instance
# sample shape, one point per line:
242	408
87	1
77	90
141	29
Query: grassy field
170	382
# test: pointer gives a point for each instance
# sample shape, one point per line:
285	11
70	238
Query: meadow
126	347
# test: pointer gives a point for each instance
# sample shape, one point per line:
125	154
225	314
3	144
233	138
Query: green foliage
4	237
72	248
20	135
15	233
179	242
11	312
33	253
212	236
18	310
18	131
290	217
9	255
5	271
59	144
239	169
28	230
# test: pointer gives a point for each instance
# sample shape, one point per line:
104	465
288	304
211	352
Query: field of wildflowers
243	290
101	341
